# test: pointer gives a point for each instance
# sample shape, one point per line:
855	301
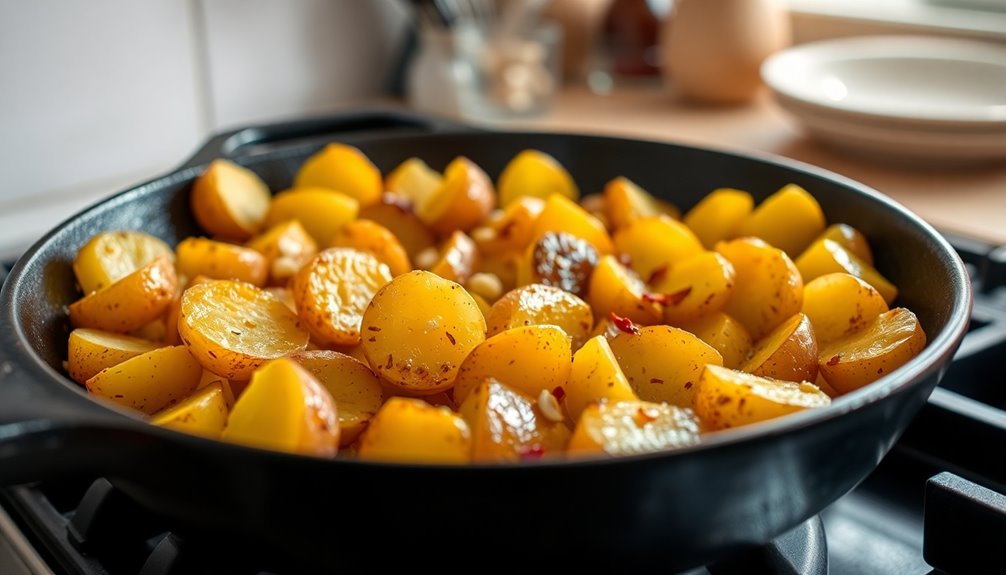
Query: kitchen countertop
969	201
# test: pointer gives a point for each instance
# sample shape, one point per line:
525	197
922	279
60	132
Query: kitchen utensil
738	488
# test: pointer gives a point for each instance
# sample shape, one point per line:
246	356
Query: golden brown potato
767	290
233	327
344	169
414	180
718	216
90	351
663	363
789	219
726	335
407	430
230	201
395	214
839	304
655	244
789	352
633	427
727	398
354	387
131	302
625	202
332	291
851	239
538	304
694	288
202	413
458	258
464	198
110	256
150	381
883	345
371	237
511	230
417	331
287	247
595	376
537	174
826	257
616	289
321	211
222	261
562	214
507	425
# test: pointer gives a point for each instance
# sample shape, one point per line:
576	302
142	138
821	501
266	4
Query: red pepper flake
624	324
657	274
657	298
451	338
834	360
679	296
559	393
533	451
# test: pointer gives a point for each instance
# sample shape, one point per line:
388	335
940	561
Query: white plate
903	96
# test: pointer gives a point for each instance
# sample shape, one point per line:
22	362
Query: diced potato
529	359
90	351
150	381
727	398
654	244
354	387
222	261
407	430
287	247
397	216
625	202
414	180
230	201
537	174
789	219
595	376
789	352
419	328
344	169
285	409
321	211
825	257
202	413
558	259
615	289
209	378
464	198
883	345
131	302
633	427
233	327
663	363
538	304
458	258
695	287
839	304
768	289
110	256
726	335
371	237
851	239
719	215
332	291
562	214
506	425
512	230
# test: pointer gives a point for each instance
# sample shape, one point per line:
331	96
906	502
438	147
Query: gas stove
935	504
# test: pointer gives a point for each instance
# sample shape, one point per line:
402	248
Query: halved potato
202	413
371	237
825	257
727	398
789	352
625	202
131	302
398	217
464	198
344	169
725	334
230	201
656	243
789	219
150	381
90	351
616	289
537	174
717	216
458	258
407	430
221	260
528	359
633	427
110	256
538	304
507	425
321	211
354	387
768	289
562	214
839	304
595	376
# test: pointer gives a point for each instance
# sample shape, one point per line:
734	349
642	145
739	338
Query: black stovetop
935	504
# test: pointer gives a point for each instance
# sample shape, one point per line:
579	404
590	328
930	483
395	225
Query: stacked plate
916	98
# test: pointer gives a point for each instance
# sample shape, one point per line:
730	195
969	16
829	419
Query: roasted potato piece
885	344
767	290
510	230
413	180
825	257
371	237
344	169
561	214
528	359
90	351
851	239
110	256
222	261
332	291
789	219
654	244
718	216
209	378
407	430
417	331
397	216
322	212
457	259
663	363
839	304
150	381
595	376
538	304
233	327
625	202
725	334
131	302
727	398
536	174
507	425
284	408
633	427
230	201
202	413
789	352
287	247
694	287
561	260
615	289
354	387
464	198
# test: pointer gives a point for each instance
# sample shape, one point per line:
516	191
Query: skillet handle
47	430
375	120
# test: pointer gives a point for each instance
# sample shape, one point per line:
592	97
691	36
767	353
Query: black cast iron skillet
679	509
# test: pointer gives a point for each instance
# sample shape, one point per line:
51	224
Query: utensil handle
379	121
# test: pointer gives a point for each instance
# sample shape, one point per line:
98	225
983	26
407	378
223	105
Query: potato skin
110	256
344	169
789	352
727	398
230	201
789	219
89	351
149	381
536	174
202	413
354	387
633	427
130	303
768	289
221	260
839	304
408	430
507	425
538	304
726	335
595	376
